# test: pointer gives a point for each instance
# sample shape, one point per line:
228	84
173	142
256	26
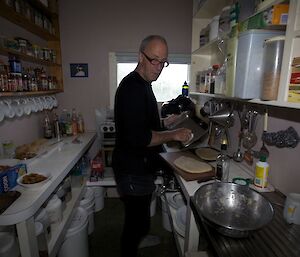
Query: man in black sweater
139	140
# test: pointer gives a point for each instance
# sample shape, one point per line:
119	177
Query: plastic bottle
47	127
68	125
185	89
214	70
222	166
80	123
74	123
261	173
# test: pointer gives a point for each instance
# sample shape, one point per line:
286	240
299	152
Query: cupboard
40	25
205	56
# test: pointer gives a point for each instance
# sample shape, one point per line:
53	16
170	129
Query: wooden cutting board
169	158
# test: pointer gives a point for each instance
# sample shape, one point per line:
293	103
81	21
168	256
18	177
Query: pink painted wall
90	30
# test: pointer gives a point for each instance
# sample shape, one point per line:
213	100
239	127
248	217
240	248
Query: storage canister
214	28
41	238
43	218
273	52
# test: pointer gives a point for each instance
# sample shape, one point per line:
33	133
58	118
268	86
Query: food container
248	80
224	21
214	28
294	86
273	52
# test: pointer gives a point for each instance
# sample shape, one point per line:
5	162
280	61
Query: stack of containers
88	204
9	246
76	243
99	193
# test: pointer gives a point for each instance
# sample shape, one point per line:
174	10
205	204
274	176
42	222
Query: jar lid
277	38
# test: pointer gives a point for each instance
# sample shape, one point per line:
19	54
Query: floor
104	241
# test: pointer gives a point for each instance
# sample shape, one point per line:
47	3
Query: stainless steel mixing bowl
232	209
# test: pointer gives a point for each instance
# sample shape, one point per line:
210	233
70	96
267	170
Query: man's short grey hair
150	38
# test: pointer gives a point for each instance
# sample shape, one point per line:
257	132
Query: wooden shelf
33	93
25	57
254	101
18	19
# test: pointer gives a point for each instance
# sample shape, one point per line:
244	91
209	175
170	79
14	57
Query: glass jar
273	52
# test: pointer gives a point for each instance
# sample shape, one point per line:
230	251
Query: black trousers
136	224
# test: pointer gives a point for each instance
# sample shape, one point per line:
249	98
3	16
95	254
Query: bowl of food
33	180
233	210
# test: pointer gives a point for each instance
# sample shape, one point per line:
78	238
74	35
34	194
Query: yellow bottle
261	173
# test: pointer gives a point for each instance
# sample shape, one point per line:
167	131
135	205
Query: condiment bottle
261	173
80	123
223	163
185	89
47	127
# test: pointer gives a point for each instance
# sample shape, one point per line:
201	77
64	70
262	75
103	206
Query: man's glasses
156	62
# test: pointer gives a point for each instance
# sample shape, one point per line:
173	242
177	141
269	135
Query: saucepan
233	210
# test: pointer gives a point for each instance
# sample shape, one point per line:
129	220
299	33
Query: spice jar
273	51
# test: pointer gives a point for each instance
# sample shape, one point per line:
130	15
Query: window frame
128	57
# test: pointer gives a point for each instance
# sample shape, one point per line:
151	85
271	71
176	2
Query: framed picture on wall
79	70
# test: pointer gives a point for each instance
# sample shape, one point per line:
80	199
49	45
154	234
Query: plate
175	200
33	185
207	154
191	165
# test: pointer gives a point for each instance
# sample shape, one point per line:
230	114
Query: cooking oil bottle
261	173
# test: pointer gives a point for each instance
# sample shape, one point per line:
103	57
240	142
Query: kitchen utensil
198	130
238	156
264	150
291	212
234	210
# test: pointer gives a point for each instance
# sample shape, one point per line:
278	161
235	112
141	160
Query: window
168	85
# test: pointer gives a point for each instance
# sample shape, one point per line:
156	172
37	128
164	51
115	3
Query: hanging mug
291	211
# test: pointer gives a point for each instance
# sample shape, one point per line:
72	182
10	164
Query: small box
280	14
294	86
8	178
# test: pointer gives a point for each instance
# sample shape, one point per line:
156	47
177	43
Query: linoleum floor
104	241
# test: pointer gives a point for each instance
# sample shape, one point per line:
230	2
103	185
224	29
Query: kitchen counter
188	188
57	159
276	239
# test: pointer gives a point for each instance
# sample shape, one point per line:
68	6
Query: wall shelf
18	19
32	93
254	101
25	57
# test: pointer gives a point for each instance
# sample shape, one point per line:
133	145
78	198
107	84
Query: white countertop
57	161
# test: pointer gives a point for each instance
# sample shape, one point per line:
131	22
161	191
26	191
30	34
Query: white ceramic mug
2	111
9	111
26	106
291	211
17	106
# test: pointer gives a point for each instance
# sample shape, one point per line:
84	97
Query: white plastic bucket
99	193
76	240
153	205
165	216
8	245
88	203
